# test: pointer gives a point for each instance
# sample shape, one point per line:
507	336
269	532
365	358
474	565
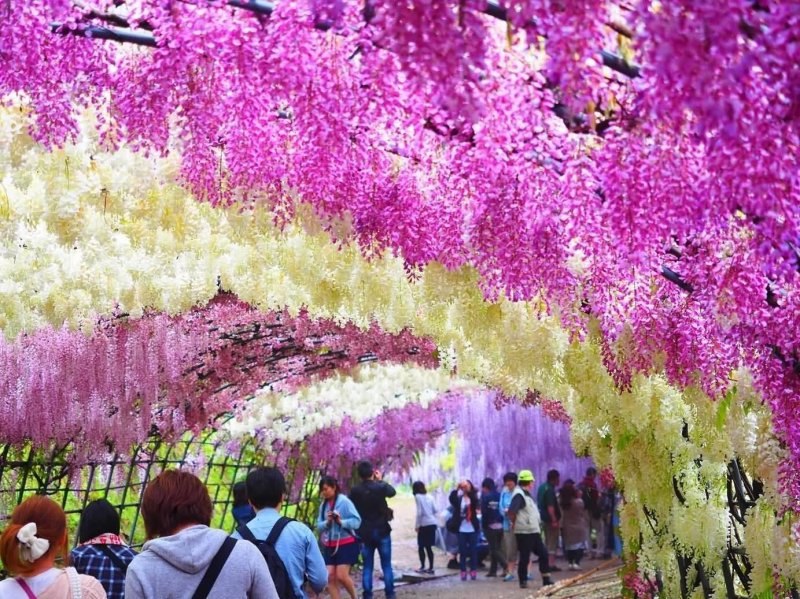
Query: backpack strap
246	534
115	559
277	529
214	569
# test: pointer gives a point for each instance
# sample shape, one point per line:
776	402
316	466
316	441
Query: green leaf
625	440
723	407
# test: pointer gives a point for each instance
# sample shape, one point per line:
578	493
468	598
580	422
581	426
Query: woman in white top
29	547
425	526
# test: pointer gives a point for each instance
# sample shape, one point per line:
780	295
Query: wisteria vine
169	375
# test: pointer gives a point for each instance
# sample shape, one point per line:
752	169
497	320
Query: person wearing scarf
466	507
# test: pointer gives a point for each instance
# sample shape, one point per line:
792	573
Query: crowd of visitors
271	556
517	523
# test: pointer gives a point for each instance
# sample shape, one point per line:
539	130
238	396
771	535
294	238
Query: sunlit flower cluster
670	452
362	394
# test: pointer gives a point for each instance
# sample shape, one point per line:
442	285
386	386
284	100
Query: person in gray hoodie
182	549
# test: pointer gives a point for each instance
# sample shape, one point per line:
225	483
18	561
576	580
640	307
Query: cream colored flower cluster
86	232
359	396
658	439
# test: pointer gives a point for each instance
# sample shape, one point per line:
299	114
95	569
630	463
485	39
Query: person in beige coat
574	524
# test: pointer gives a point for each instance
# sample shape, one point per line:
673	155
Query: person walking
550	513
492	524
183	557
574	524
525	524
466	507
425	526
101	552
35	538
370	497
592	500
295	545
509	539
338	519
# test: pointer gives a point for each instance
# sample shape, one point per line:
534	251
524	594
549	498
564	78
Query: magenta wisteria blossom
172	374
438	136
393	439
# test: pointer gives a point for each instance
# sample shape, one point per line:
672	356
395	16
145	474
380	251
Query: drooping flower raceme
359	395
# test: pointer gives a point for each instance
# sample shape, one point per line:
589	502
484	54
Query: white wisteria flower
361	395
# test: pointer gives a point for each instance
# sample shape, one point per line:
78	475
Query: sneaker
546	582
576	567
430	571
463	575
523	584
508	577
420	570
473	575
491	575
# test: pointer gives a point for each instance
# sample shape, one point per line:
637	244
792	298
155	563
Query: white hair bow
31	547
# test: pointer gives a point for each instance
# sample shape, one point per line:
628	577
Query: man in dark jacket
591	501
369	497
492	522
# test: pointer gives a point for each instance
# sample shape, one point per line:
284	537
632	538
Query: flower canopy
592	202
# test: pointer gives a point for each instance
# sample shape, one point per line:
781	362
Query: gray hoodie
172	567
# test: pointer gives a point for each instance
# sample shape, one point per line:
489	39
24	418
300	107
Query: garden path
598	580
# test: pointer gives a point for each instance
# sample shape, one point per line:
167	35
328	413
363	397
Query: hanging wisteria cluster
168	374
628	169
488	440
357	395
394	438
437	132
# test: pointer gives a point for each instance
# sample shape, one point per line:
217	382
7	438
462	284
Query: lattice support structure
122	478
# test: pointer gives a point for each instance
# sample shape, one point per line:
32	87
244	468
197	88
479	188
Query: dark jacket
455	502
591	496
369	498
490	509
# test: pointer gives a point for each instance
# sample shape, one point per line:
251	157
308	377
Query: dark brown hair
568	494
173	499
51	524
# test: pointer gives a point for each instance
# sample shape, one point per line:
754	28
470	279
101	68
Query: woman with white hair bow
29	548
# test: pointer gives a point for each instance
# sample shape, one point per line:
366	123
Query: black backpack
274	562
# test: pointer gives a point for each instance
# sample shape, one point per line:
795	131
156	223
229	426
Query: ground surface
598	580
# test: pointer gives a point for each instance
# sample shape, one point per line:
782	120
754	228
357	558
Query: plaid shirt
89	559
